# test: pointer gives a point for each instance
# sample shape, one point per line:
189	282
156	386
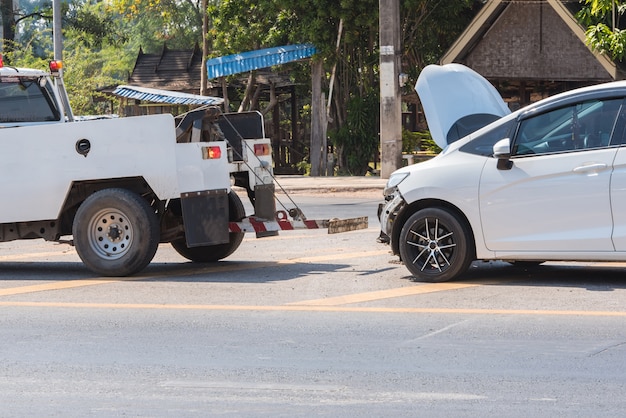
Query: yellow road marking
53	286
293	308
385	294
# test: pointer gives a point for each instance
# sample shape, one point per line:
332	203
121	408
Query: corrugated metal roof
165	96
253	60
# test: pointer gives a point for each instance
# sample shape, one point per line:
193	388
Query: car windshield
25	100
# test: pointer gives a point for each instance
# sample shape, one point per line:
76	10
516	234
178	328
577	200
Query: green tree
429	27
151	23
241	25
101	40
603	21
357	139
94	55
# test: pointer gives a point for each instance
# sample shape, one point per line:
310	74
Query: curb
299	184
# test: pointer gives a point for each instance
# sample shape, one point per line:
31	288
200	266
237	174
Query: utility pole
204	82
57	37
56	30
318	118
390	100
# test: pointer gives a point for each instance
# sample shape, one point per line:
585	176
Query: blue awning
253	60
165	96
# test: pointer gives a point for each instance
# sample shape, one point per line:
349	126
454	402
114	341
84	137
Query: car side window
584	125
619	133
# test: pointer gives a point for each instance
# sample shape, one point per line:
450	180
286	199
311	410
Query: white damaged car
545	183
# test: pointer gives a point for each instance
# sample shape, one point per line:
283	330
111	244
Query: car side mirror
502	151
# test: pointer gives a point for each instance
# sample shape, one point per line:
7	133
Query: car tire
435	245
116	232
212	253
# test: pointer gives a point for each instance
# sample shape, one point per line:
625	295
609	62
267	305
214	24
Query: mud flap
205	217
265	206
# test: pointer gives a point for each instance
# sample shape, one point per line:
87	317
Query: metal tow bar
283	223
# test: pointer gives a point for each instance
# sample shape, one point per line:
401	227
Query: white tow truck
117	187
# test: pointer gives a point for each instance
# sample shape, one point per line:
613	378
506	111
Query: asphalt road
308	324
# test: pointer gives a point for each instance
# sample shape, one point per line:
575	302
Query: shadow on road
591	276
220	272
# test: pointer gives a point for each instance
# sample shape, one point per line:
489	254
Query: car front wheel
435	245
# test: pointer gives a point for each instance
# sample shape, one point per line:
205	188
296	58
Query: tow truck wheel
212	253
435	245
116	232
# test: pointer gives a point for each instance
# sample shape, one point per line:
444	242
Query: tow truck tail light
1	61
55	68
211	153
261	149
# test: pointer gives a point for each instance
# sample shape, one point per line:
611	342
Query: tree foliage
98	49
241	25
151	23
357	138
429	27
604	32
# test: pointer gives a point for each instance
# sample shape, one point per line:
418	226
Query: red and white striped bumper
252	224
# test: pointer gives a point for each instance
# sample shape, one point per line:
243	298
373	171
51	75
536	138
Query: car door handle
590	168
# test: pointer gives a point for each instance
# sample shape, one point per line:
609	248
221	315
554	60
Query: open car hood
457	101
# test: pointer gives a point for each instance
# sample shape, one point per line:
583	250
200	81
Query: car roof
613	89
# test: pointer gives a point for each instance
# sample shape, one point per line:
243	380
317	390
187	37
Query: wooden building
170	69
530	49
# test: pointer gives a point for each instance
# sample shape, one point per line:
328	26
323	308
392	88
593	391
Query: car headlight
394	180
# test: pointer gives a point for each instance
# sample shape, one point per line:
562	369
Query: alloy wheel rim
431	245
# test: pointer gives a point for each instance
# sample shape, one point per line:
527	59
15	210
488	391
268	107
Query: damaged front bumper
387	213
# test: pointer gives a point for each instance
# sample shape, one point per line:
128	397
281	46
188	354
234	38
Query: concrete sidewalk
302	184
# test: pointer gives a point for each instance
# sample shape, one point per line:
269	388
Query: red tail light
261	149
211	153
56	66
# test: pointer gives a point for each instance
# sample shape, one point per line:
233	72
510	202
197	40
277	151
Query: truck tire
116	232
212	253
